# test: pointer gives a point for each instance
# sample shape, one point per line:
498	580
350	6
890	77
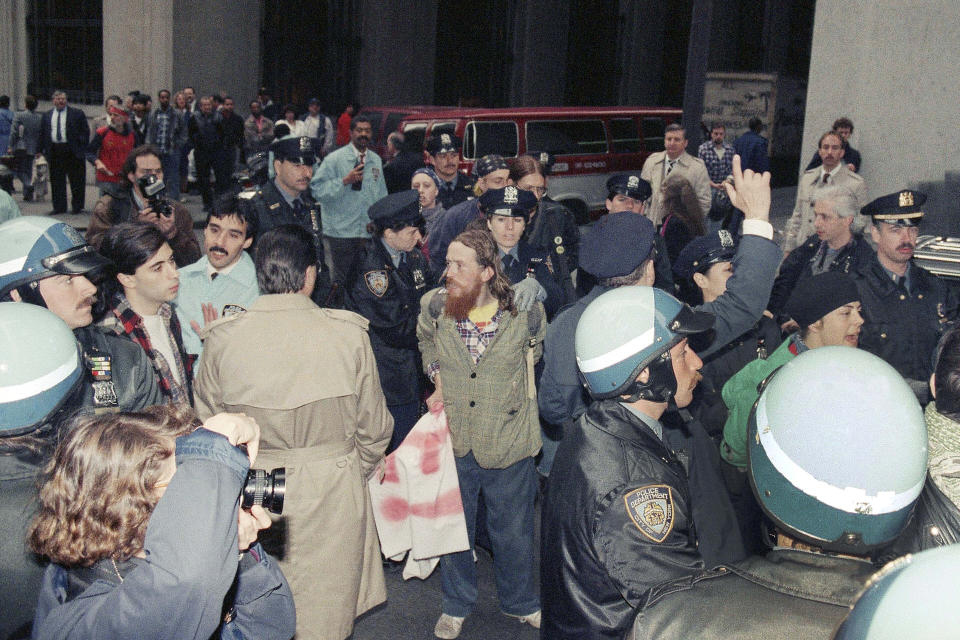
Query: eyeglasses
537	191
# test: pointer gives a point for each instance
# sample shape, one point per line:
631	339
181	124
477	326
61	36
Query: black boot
28	194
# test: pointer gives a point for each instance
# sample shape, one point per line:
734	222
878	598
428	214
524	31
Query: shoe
448	627
532	619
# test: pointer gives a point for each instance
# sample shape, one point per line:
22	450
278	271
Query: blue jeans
171	173
405	418
508	494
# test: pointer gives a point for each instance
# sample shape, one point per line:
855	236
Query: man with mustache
346	185
480	351
905	309
223	281
54	268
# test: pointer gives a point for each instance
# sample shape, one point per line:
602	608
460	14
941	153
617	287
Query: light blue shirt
8	207
238	287
343	211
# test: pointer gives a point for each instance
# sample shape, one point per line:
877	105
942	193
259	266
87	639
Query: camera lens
265	489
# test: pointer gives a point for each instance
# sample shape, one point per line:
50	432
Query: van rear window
626	138
566	137
483	138
413	133
653	134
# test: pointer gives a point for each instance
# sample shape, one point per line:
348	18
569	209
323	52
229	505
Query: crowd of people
699	473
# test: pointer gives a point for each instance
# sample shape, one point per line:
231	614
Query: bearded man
491	406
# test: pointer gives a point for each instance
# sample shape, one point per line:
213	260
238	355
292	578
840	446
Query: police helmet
912	597
35	247
837	449
628	329
39	366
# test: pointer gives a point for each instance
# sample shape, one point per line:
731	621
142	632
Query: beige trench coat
308	376
800	225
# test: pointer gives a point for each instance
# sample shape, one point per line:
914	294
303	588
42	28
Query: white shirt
58	113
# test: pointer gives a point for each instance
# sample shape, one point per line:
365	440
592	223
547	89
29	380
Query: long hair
98	493
680	199
522	166
481	241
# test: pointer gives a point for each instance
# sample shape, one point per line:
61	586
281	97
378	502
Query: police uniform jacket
132	383
903	327
308	377
616	522
539	263
800	224
799	266
461	192
786	595
555	231
389	298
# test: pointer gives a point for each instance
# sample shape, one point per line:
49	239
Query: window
393	121
66	49
483	138
567	137
624	134
653	134
439	128
413	134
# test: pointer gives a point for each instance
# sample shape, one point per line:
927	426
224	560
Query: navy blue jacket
752	149
540	264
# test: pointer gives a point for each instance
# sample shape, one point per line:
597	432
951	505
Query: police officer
40	368
837	487
618	515
630	192
701	272
386	290
52	267
443	151
905	308
529	270
286	199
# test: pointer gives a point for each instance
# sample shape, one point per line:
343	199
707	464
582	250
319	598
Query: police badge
377	282
510	195
651	509
445	139
726	240
633	182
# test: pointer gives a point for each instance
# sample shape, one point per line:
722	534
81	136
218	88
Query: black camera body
265	489
153	190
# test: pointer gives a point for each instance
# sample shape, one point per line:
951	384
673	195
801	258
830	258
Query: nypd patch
377	282
651	509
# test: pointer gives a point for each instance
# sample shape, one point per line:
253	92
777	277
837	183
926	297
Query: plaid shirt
476	338
718	168
126	321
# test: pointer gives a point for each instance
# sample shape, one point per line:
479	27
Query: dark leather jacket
935	523
616	522
390	299
134	384
786	595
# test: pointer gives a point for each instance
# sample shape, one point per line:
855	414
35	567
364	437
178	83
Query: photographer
132	201
140	516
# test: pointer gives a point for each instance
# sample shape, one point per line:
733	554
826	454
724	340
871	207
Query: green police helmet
837	449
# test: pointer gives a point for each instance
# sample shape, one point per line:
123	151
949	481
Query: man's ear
15	296
649	273
127	281
874	234
248	242
487	274
816	327
644	376
700	280
933	384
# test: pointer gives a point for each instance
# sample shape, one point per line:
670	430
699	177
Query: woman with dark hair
136	303
682	216
140	516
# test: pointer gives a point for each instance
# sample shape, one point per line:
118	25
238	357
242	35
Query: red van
386	120
589	144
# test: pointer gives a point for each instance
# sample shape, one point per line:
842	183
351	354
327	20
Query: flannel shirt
717	168
476	338
126	322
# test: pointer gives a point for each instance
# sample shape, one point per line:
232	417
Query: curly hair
680	199
99	487
481	241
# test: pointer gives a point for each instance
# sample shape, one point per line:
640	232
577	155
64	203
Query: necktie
60	126
826	178
670	164
508	262
213	276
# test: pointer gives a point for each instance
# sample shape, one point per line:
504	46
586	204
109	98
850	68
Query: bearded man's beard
461	300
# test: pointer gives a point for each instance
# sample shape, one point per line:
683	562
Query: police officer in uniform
529	270
905	309
455	185
53	269
630	192
701	272
286	199
618	515
386	290
837	488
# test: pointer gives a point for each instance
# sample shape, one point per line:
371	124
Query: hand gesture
209	315
750	192
355	175
239	429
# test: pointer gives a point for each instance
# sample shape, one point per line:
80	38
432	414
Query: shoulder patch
377	281
651	509
225	318
347	316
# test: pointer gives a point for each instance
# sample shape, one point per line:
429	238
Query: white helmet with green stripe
838	450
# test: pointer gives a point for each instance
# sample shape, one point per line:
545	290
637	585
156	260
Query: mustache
907	245
221	249
89	301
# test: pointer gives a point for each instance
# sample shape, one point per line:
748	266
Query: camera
153	189
265	489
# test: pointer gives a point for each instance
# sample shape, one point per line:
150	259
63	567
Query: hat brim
81	263
690	321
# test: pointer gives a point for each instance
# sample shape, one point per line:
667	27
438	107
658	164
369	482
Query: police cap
703	251
298	150
442	143
508	201
617	244
402	207
903	207
630	185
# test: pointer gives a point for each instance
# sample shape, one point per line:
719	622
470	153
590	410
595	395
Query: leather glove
526	292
